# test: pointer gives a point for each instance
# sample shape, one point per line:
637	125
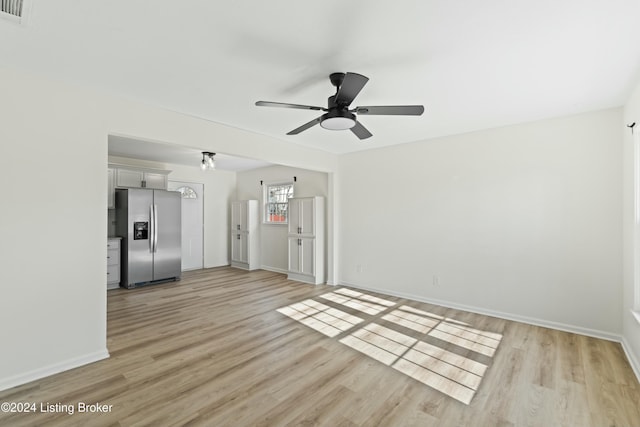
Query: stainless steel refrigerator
148	221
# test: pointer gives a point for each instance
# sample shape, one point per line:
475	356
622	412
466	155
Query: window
276	202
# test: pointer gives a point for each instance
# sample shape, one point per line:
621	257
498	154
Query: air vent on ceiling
15	10
12	7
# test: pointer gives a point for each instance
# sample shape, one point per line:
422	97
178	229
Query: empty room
334	214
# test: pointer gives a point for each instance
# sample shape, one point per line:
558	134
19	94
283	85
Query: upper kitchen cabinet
131	177
141	178
302	215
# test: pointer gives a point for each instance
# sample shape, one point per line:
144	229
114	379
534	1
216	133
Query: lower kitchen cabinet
302	257
113	263
245	241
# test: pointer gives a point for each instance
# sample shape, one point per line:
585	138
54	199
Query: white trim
36	374
305	278
636	315
10	17
636	222
499	314
631	356
274	269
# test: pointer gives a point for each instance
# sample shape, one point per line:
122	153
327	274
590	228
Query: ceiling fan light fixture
338	121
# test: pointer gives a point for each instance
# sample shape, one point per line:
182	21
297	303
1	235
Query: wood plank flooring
225	347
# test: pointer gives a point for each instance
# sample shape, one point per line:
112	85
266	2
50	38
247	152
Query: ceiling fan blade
361	131
305	126
392	110
285	105
350	88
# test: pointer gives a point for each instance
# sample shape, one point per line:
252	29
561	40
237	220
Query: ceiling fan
338	116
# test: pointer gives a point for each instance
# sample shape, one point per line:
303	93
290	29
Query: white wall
630	326
53	157
219	190
274	237
522	221
52	223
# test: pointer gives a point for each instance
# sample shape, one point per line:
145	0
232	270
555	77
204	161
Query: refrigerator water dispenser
140	231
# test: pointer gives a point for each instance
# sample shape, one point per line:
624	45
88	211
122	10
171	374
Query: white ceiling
473	64
176	154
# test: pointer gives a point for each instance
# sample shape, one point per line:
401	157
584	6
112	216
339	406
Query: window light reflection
322	318
412	318
368	304
449	372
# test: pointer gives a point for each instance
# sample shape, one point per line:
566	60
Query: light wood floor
225	347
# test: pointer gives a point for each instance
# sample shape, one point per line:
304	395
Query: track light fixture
208	161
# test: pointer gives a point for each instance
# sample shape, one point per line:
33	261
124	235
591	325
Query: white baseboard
632	357
16	380
502	315
274	269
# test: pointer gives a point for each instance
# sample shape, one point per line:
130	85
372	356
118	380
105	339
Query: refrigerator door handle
152	231
155	228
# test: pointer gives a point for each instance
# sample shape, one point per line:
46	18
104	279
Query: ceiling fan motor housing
336	79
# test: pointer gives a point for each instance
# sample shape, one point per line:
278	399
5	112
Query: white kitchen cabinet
245	238
302	216
113	263
128	178
240	250
157	181
240	214
306	240
302	255
111	186
141	178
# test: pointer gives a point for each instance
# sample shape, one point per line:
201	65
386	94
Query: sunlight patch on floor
466	337
456	374
450	373
383	344
321	317
368	304
412	318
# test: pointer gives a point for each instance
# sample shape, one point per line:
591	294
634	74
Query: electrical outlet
359	268
436	280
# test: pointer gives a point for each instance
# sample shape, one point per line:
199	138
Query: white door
294	254
244	244
239	247
307	264
239	213
294	216
192	223
306	216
